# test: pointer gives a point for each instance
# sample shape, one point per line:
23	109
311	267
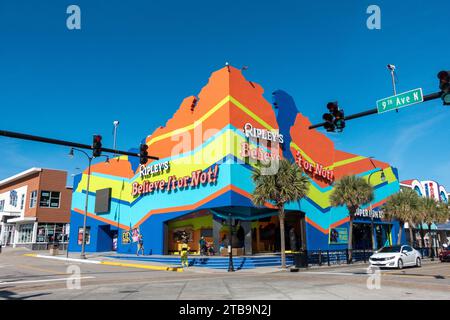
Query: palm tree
352	192
433	212
288	184
404	207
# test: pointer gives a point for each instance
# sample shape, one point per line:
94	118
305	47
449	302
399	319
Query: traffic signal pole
428	97
29	137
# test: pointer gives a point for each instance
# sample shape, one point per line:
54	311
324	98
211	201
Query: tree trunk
422	236
430	240
411	235
400	229
282	243
350	240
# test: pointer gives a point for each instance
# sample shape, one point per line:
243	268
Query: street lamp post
83	242
116	124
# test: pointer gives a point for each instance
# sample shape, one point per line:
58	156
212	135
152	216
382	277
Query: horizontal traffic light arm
29	137
428	97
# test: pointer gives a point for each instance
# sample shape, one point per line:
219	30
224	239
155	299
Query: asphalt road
24	277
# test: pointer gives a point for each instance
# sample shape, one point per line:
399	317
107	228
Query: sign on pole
401	100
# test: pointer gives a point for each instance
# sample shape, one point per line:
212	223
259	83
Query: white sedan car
396	257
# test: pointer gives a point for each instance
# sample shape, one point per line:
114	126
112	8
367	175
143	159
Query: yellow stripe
192	126
346	161
304	155
142	266
210	113
336	164
250	113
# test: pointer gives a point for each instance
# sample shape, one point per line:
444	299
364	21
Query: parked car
444	255
396	257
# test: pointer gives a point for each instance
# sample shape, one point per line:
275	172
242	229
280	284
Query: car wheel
418	263
400	264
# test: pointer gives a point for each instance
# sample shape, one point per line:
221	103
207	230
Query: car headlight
390	258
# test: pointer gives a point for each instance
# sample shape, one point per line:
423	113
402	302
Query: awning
443	226
244	213
425	226
22	220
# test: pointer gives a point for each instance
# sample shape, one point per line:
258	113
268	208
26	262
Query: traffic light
97	146
339	121
332	106
329	123
143	154
334	119
444	85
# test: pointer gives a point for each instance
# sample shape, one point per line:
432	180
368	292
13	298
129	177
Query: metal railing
334	257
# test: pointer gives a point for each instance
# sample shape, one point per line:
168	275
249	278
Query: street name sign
401	100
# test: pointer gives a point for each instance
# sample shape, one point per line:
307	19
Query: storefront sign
196	178
338	236
262	134
153	169
366	213
315	170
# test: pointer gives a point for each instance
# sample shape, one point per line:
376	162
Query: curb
108	263
142	266
61	259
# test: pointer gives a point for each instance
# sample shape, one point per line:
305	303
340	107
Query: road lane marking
40	269
45	280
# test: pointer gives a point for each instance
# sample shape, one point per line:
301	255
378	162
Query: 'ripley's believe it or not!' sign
172	183
315	170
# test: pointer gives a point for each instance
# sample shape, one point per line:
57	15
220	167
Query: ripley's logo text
152	169
262	134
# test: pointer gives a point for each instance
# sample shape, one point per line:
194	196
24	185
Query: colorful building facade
207	152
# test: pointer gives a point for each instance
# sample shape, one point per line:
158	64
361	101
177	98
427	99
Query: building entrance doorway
383	235
266	236
362	236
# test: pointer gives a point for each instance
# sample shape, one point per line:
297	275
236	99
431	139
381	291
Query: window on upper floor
33	198
13	198
49	199
22	201
2	205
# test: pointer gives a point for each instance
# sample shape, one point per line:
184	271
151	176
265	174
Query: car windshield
390	249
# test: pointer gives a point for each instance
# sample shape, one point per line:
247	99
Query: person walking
202	245
140	245
184	254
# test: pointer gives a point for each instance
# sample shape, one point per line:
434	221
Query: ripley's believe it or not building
207	153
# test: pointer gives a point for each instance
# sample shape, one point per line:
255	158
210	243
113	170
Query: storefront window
49	199
51	233
25	233
8	234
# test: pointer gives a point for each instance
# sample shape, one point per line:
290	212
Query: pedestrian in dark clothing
202	244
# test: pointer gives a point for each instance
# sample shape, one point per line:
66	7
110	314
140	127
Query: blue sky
135	61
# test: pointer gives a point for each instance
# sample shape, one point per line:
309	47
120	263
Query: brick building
35	208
